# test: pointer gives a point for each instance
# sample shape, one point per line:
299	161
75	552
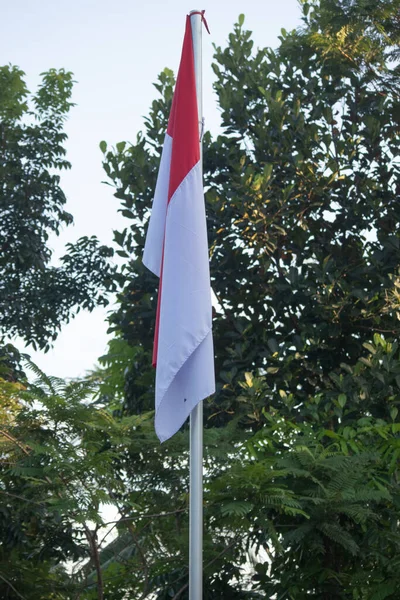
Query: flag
176	250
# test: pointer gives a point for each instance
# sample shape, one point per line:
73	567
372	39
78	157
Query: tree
44	521
302	204
302	437
36	298
61	459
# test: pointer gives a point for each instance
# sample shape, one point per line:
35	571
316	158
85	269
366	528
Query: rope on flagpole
201	13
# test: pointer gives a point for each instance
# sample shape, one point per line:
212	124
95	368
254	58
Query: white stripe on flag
185	363
155	234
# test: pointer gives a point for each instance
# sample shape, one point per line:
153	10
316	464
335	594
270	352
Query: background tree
302	204
58	472
302	438
41	527
35	298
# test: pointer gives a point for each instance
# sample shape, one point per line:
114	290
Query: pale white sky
115	50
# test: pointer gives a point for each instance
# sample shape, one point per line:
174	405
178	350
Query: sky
115	50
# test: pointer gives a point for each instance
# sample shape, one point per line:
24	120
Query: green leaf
238	508
369	347
268	171
120	146
249	379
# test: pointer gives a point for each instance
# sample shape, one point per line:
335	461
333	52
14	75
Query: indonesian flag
176	250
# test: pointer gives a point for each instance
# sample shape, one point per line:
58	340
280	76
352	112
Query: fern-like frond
337	534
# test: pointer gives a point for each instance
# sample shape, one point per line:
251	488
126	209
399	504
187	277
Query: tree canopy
302	447
302	205
35	297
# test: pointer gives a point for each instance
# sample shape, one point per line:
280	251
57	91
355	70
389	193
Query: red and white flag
176	250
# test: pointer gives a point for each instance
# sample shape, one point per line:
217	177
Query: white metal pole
196	417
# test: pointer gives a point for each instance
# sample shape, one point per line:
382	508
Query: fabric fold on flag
176	250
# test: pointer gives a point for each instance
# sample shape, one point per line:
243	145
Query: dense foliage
302	203
58	473
36	298
302	445
40	529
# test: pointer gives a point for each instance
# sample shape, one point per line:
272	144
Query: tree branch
12	587
146	516
22	498
92	539
15	441
143	561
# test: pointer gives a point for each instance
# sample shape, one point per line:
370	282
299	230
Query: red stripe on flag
183	127
183	124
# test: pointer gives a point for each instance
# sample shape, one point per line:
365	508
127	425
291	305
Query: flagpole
196	416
